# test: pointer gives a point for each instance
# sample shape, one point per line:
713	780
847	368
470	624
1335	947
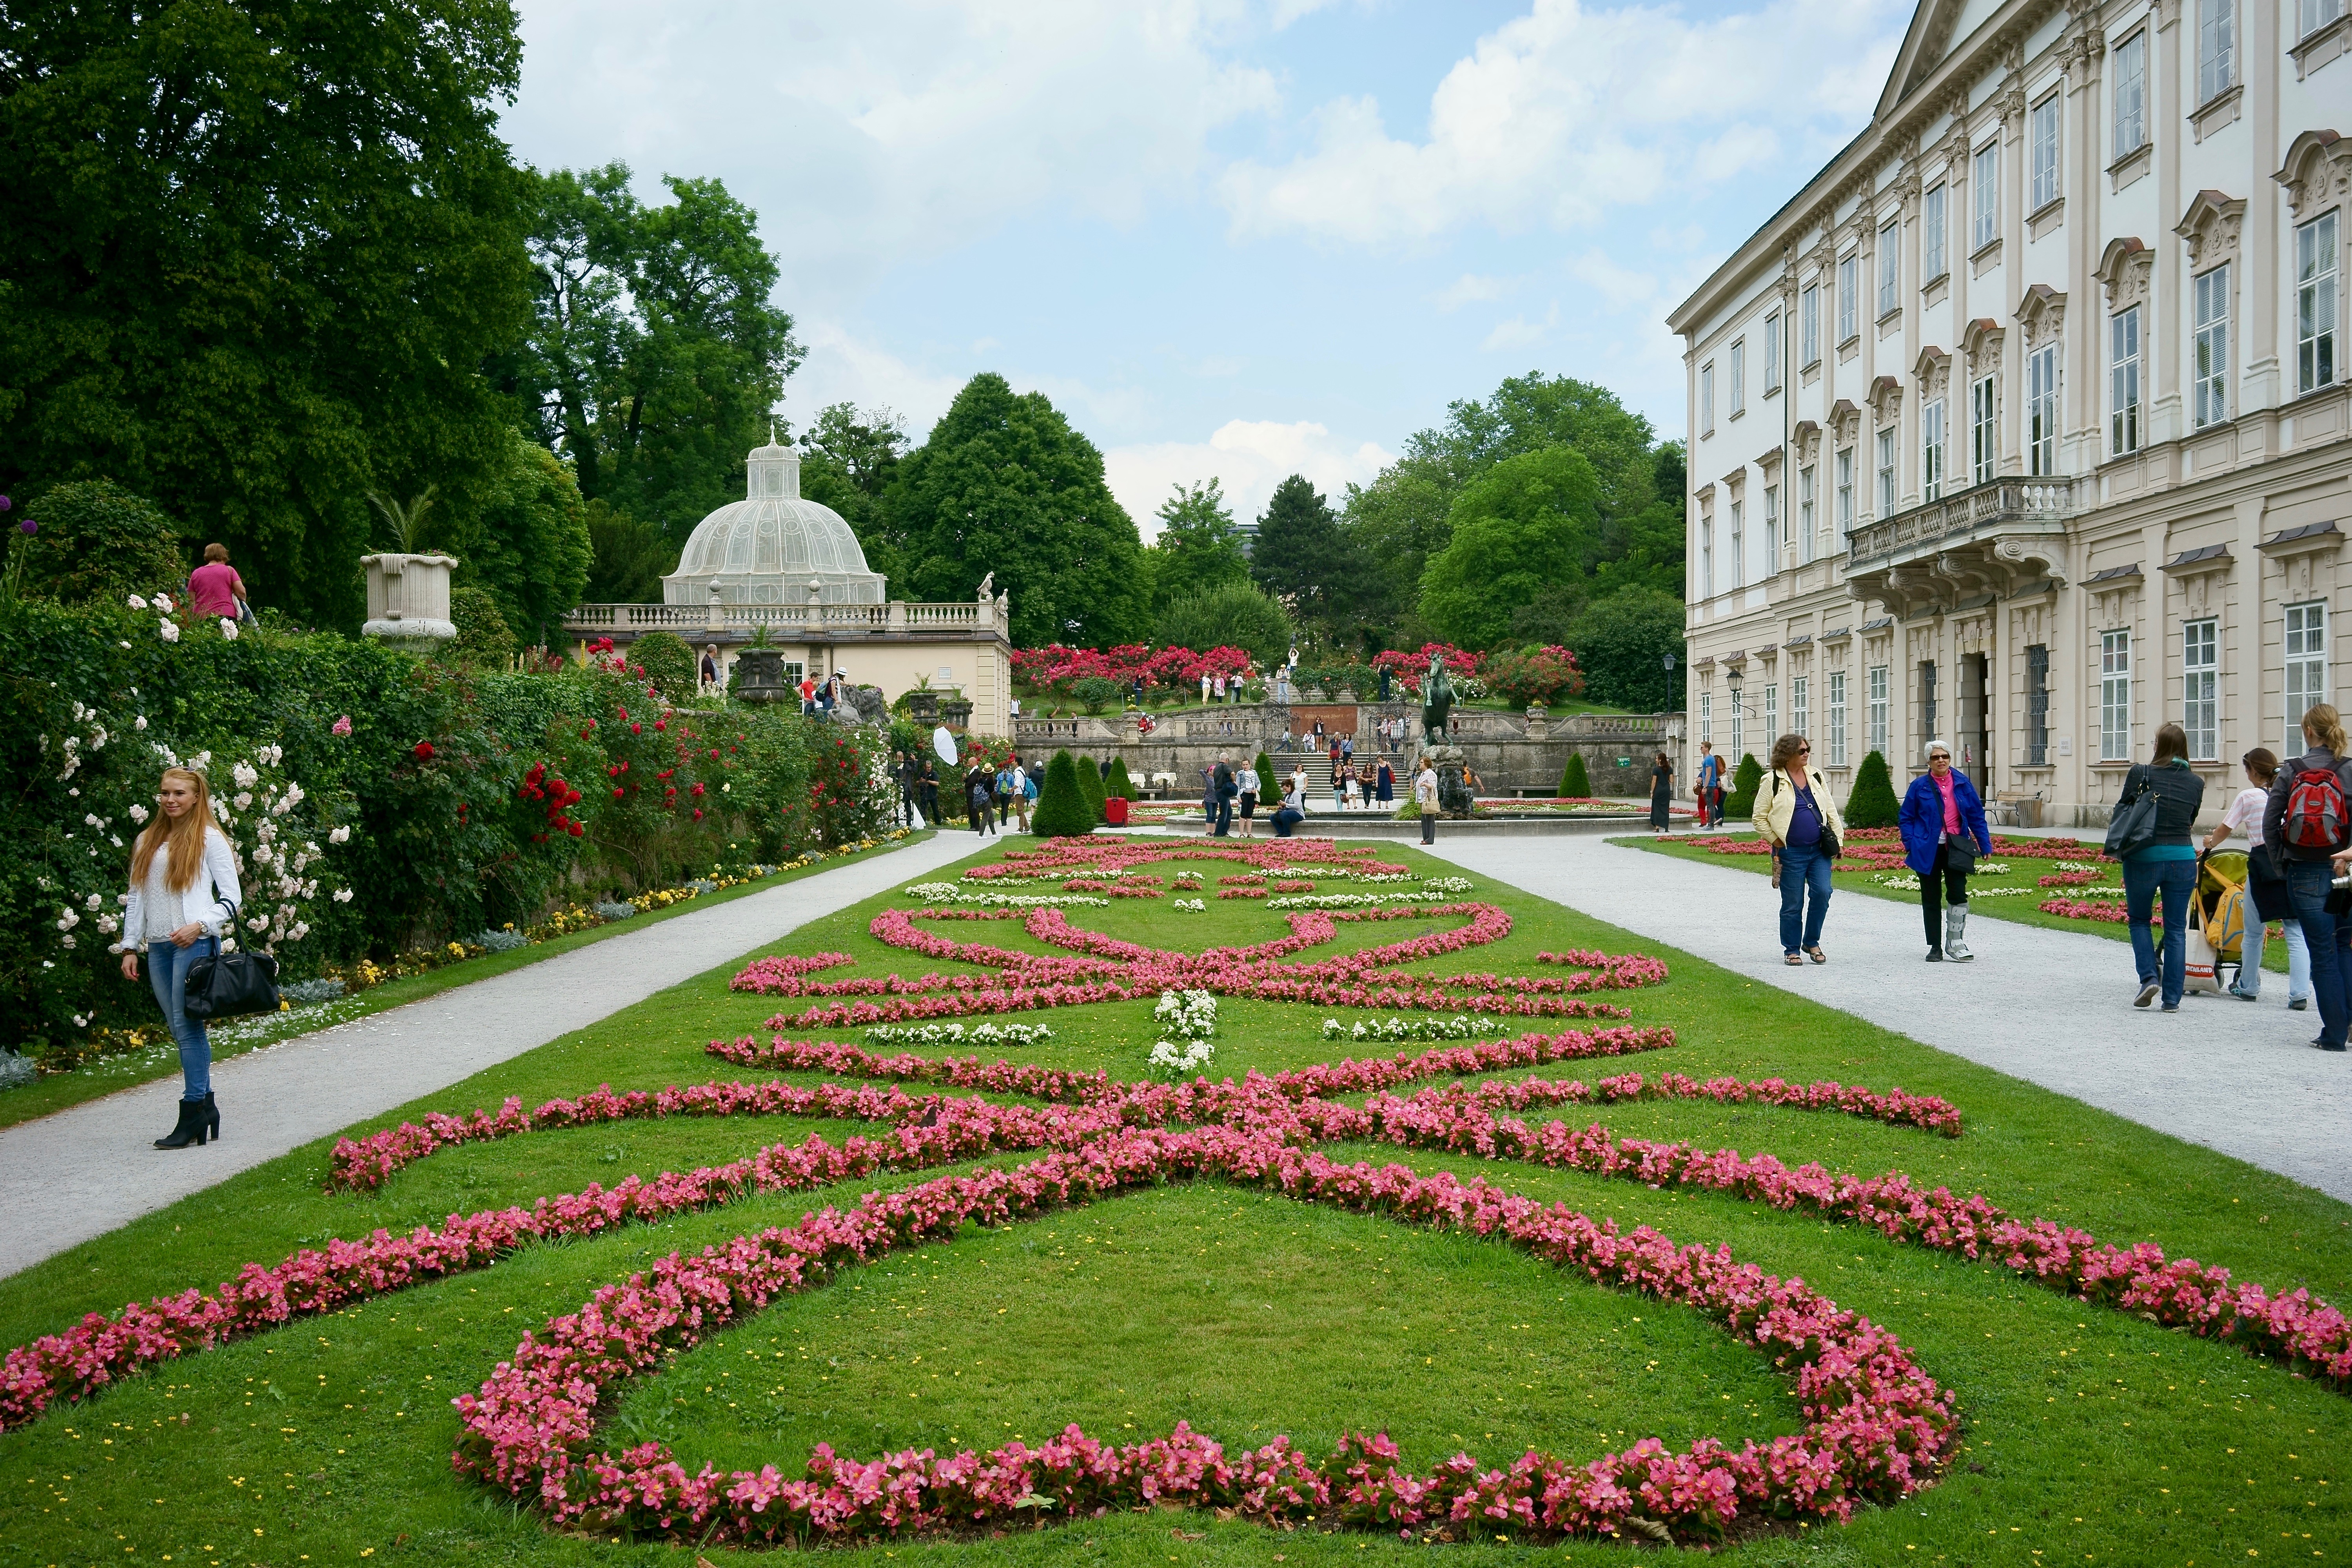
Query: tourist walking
2305	825
1706	787
1662	793
1802	825
1028	802
930	788
1425	795
979	795
184	898
1944	831
2266	894
1226	788
711	684
215	590
1209	794
1384	784
1249	784
1007	789
2166	862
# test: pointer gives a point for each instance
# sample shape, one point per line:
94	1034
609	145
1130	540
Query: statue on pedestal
1436	701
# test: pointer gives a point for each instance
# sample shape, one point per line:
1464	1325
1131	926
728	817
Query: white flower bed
1191	1018
1446	884
1190	906
958	1035
1458	1027
950	893
2102	867
1352	901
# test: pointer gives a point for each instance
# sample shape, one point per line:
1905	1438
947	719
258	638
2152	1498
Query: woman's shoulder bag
229	985
2133	826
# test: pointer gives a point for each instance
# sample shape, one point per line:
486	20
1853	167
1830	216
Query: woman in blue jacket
1940	811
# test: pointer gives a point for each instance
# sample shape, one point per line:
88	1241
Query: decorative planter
408	597
955	711
760	676
923	707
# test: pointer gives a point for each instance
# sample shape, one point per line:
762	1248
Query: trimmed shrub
1118	784
1095	692
98	542
1575	780
669	663
1063	810
1740	805
1873	802
1090	783
483	638
1269	787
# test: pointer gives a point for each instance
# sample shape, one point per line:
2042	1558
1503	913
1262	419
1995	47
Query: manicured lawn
2089	1435
104	1078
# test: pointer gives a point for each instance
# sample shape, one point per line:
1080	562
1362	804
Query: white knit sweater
156	911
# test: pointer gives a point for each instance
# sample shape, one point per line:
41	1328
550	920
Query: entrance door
1974	729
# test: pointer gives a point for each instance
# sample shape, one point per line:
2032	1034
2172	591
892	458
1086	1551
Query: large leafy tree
257	258
1622	640
654	355
847	462
1304	559
1006	485
1528	524
1199	549
526	542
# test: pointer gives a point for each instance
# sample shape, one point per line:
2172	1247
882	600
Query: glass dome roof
767	548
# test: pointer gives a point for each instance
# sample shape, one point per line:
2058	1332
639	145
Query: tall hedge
1873	802
1063	810
1090	783
1118	784
1269	787
1575	782
1740	805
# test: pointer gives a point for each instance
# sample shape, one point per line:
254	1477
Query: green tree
256	262
526	541
1873	802
1528	524
1198	549
1005	486
1304	559
98	542
1090	784
628	558
483	638
1622	642
847	462
1062	811
1740	803
1118	784
1269	787
1575	780
1235	614
653	357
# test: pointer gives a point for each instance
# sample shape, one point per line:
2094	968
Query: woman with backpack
2165	863
2304	826
2266	892
1801	823
183	901
1944	831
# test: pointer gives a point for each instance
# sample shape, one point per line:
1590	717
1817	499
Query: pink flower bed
2094	909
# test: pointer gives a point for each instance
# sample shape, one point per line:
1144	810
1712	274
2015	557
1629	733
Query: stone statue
987	584
1437	701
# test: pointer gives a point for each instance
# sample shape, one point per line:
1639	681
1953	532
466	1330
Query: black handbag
228	984
1959	852
2133	826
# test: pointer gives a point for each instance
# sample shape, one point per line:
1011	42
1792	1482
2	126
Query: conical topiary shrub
1063	810
1740	805
1090	783
1268	787
1118	784
1575	782
1873	802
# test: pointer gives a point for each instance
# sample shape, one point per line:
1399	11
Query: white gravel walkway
2052	1007
84	1171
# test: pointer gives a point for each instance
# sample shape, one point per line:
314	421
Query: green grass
105	1076
2090	1436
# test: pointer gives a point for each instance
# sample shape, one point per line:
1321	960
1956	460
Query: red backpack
2315	810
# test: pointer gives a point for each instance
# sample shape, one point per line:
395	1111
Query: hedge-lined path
84	1171
2051	1007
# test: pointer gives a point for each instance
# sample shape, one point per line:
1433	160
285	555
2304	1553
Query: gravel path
84	1171
2052	1007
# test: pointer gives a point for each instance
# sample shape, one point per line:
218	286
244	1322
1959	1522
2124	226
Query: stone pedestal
409	598
1453	797
760	676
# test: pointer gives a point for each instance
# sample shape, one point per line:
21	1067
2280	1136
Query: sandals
1816	954
1792	961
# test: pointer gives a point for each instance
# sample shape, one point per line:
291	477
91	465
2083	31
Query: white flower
339	835
245	775
139	722
244	798
67	940
168	632
137	603
107	924
163	603
81	1021
68	919
94	903
139	814
228	629
121	643
343	895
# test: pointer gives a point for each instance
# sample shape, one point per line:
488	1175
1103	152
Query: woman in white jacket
184	895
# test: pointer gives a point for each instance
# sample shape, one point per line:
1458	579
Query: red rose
423	751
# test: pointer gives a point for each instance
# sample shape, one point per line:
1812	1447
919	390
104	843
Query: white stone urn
408	597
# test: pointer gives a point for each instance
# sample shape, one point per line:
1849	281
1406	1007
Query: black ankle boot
212	1118
191	1127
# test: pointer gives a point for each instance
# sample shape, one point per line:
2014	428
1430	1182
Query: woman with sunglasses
1944	831
1802	825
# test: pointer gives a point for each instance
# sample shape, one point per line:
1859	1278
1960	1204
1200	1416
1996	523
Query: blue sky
1233	236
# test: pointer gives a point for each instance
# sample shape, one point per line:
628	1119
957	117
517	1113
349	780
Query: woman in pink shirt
1944	830
213	588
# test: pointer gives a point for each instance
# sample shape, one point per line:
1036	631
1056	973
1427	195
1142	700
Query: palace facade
2025	423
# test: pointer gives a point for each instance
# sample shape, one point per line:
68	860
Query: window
1845	497
2037	705
2043	131
1706	718
1799	713
1771	714
1878	713
2114	697
1927	699
1984	436
2199	701
1705	557
2317	13
2217	38
1837	718
1849	299
1739	731
1739	552
2041	409
2131	93
1931	234
2306	668
1985	195
1890	270
1931	451
1738	378
2123	379
1809	325
1773	352
1706	398
2314	302
1805	510
1885	473
2208	381
1771	530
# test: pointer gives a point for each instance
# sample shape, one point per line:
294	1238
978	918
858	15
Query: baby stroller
2218	911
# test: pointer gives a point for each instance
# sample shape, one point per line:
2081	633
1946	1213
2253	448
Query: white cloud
1561	115
1250	456
1470	289
843	368
1519	333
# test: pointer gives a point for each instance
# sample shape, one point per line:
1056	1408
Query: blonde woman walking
184	898
1801	823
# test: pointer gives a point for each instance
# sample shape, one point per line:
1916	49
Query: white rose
169	632
163	603
139	722
137	603
228	630
139	814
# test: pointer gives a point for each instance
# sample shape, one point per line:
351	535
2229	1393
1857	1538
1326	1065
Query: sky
1232	237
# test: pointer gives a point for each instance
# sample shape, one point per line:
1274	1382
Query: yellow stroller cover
2218	912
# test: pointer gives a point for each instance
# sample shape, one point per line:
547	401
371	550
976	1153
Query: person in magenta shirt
1944	830
213	588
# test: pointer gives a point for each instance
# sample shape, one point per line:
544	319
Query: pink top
214	589
1952	802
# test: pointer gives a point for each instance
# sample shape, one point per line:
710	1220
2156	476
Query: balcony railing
827	620
1992	507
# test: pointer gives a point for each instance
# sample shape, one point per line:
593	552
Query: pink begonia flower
343	726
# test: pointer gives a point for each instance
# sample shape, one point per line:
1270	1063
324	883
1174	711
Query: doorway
1974	728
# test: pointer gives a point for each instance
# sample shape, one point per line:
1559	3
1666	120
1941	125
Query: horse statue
1437	701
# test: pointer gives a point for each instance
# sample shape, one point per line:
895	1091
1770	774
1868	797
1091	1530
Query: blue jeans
167	971
1803	868
2331	965
2143	879
2299	960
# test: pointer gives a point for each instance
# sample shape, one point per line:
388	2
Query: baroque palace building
2024	424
